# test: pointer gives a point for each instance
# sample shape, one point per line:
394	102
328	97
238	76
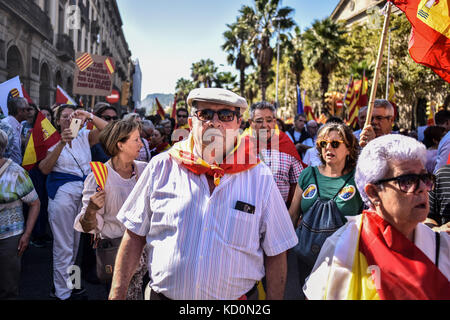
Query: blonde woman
121	141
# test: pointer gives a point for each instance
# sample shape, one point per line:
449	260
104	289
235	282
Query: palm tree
251	87
322	43
182	88
238	48
203	72
225	80
295	56
265	19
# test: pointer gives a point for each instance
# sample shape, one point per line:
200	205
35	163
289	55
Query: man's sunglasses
224	115
334	143
108	118
409	183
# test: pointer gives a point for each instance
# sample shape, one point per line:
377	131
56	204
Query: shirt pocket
241	230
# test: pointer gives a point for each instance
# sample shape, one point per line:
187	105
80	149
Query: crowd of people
210	206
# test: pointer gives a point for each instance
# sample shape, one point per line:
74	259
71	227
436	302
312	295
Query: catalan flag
43	137
356	98
109	64
62	97
430	34
100	173
84	62
160	109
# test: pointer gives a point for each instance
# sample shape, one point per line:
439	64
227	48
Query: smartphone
75	127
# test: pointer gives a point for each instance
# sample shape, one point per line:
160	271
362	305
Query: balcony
32	14
64	45
84	12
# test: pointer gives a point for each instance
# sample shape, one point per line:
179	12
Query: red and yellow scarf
183	153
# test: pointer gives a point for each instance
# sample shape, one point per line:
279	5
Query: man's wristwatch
91	117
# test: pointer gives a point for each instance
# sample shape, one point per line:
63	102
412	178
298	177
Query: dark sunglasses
224	115
334	143
108	118
409	183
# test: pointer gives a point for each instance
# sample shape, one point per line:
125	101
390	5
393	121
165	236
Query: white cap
219	96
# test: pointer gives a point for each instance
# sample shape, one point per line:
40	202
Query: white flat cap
219	96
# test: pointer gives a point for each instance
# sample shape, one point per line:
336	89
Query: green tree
203	72
265	19
237	46
225	80
322	43
182	89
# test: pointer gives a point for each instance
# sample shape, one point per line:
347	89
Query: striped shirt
200	245
285	169
440	197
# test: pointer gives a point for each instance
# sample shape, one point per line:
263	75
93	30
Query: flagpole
388	65
376	76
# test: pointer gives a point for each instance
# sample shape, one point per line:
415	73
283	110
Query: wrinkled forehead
201	105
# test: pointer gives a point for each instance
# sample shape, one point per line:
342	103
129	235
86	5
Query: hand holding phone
75	126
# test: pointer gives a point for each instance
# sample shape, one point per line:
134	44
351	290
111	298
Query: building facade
359	11
39	39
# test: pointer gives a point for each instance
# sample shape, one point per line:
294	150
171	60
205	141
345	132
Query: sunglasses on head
334	143
108	118
224	115
409	183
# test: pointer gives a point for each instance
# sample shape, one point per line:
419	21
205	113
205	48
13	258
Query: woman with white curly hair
387	252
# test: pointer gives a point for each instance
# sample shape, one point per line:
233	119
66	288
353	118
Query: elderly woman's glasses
224	115
334	143
409	183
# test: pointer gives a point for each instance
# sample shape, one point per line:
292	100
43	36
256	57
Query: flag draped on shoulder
43	137
62	97
430	34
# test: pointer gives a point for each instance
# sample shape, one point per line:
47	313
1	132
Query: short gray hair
373	162
382	103
147	124
132	117
3	142
15	104
263	105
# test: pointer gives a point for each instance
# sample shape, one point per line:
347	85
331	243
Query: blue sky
167	36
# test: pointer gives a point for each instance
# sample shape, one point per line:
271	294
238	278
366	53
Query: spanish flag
308	108
372	260
43	137
62	97
430	34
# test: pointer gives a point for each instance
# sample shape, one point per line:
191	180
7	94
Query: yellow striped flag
109	64
100	173
85	61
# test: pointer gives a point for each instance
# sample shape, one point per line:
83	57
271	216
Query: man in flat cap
210	212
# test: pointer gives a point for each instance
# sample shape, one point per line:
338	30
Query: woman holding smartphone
67	165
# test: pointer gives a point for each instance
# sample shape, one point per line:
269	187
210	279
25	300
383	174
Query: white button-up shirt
16	150
200	245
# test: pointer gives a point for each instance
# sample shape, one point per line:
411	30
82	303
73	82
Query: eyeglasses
108	118
224	115
381	118
409	183
334	143
182	116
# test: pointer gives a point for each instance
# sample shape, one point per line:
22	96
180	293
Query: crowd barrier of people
210	206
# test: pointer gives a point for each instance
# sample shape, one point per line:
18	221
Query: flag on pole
308	108
62	97
160	109
300	109
358	100
9	89
43	137
174	110
429	41
26	96
391	96
84	62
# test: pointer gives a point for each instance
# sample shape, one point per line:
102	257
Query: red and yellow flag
43	137
100	173
307	108
109	64
430	34
160	109
356	98
62	97
84	62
